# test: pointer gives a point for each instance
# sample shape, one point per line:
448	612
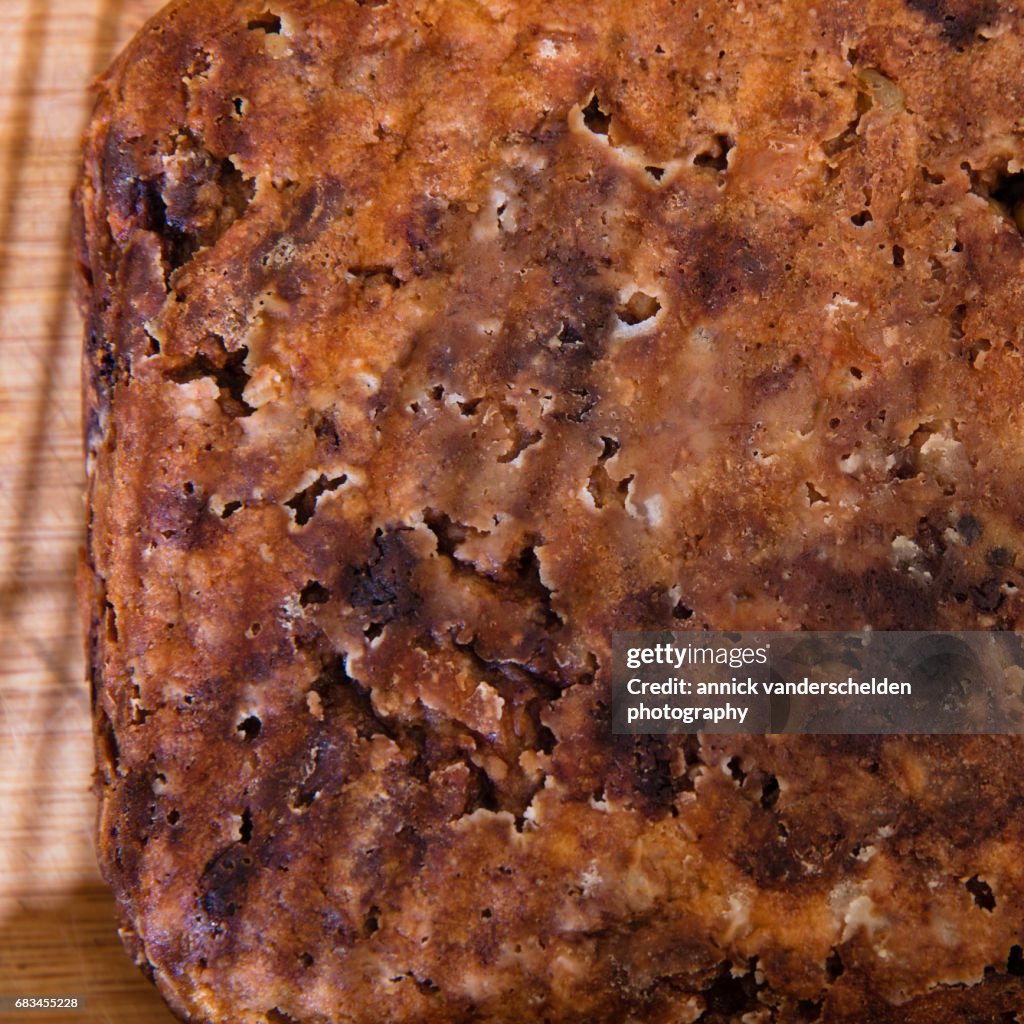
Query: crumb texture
428	343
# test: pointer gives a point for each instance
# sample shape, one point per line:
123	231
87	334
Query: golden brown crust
429	342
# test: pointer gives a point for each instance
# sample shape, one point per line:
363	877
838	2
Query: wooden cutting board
57	931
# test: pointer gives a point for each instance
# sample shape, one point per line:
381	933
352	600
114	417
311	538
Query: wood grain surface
57	930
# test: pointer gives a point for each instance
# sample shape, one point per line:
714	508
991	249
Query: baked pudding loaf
429	343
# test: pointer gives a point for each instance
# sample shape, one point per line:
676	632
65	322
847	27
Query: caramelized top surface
428	343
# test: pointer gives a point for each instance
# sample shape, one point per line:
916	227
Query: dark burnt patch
320	770
1000	557
1008	191
969	527
275	1015
775	379
962	808
958	20
105	372
882	596
894	595
314	209
383	588
101	350
575	327
929	538
651	607
224	884
425	236
648	772
181	519
137	806
580	338
121	179
774	857
726	266
987	595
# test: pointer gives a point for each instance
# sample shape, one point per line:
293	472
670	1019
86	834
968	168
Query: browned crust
409	376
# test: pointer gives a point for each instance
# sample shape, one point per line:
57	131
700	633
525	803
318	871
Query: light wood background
57	932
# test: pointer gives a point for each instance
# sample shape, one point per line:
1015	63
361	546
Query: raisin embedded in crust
428	343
